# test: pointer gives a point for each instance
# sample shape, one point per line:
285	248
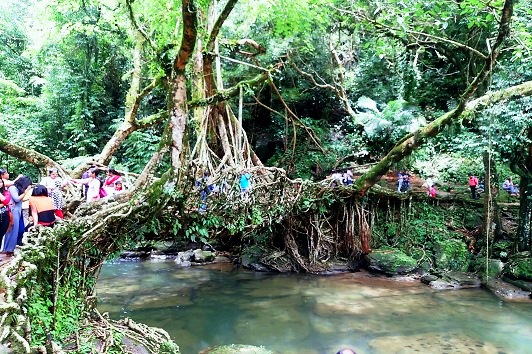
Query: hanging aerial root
133	337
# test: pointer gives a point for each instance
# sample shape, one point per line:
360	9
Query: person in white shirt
54	184
429	183
94	184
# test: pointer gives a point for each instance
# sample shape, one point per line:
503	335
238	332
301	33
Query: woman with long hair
18	191
113	176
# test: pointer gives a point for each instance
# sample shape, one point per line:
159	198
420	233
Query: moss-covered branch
412	141
224	95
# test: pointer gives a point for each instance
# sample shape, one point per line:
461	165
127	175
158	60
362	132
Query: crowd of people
24	204
340	178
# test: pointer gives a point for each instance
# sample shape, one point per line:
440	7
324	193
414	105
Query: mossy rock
451	254
502	249
472	219
238	349
495	267
519	266
391	262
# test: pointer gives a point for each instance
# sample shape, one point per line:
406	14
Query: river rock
525	285
183	258
391	262
264	323
507	291
456	280
202	256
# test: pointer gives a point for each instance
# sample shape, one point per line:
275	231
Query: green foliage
451	255
383	129
424	232
519	266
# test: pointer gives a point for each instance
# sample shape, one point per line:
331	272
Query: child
432	191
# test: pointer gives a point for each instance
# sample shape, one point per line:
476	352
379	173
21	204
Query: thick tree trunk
523	239
177	105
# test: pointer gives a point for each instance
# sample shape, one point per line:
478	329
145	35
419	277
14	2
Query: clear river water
208	306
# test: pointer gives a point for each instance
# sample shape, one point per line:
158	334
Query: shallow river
303	314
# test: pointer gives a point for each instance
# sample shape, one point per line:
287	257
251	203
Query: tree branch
188	41
391	31
412	141
218	24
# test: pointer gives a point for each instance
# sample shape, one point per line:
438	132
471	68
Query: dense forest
166	92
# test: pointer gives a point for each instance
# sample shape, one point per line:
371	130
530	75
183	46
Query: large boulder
456	280
495	267
519	266
391	262
451	254
201	256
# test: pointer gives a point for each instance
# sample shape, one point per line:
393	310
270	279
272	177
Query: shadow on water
294	314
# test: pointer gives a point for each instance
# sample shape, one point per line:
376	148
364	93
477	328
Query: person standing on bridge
54	184
18	191
429	183
5	198
245	185
473	183
93	183
400	182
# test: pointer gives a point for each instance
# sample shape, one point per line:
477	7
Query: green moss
495	267
451	255
391	261
520	266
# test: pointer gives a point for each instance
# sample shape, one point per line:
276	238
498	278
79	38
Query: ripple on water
158	300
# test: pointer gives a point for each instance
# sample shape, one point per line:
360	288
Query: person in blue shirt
399	181
245	185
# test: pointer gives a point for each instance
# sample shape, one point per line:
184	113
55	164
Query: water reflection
296	314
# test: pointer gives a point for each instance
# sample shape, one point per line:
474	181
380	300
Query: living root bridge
49	284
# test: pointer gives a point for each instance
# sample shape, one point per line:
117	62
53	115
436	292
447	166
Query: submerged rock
237	349
432	343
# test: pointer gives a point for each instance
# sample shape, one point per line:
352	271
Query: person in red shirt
473	183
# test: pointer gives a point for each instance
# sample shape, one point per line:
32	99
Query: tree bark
523	238
491	222
177	106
